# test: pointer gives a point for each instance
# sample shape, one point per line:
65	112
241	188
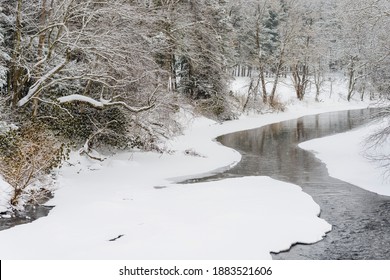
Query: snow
345	156
3	75
230	219
37	85
100	104
81	98
333	90
134	195
5	195
5	188
5	127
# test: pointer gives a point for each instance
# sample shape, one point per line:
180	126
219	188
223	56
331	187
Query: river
360	219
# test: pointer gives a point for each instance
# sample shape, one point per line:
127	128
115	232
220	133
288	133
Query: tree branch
36	87
102	102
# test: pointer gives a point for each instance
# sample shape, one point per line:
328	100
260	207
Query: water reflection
272	150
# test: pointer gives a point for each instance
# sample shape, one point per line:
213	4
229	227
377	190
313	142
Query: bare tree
100	54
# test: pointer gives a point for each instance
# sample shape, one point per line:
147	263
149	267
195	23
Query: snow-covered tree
362	40
5	26
79	58
302	51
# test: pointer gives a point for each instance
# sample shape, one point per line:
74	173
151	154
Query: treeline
114	71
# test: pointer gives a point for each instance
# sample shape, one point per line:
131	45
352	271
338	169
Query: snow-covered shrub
114	126
27	155
377	144
80	121
277	105
216	107
5	191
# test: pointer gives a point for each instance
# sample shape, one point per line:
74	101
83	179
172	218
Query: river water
360	219
30	214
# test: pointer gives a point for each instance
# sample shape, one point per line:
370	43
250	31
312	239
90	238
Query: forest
112	74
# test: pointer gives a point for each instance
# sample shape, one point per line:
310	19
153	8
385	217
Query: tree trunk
317	92
248	96
363	92
41	44
276	81
263	85
352	78
15	70
172	76
351	84
300	80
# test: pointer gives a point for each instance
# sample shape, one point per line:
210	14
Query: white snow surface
345	156
132	199
82	98
5	195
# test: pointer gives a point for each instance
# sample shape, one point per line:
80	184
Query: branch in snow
101	103
36	87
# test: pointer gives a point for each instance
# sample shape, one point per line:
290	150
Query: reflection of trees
272	150
300	130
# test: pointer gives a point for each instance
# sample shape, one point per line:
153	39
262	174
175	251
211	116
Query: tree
84	56
5	24
361	53
379	77
200	45
259	43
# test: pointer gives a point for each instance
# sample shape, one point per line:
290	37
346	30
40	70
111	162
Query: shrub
277	105
215	107
27	155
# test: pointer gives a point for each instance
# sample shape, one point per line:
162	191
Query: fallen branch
87	150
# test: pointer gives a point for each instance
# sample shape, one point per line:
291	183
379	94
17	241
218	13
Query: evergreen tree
270	36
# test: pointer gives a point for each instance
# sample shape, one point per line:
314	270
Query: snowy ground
132	199
5	191
345	156
333	89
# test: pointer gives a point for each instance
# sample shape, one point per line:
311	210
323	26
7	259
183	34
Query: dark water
360	219
31	213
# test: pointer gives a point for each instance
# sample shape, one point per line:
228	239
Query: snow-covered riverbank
132	200
346	156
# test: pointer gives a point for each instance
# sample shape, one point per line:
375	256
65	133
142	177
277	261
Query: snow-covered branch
35	88
102	102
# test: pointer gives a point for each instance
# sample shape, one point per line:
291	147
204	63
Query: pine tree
270	36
